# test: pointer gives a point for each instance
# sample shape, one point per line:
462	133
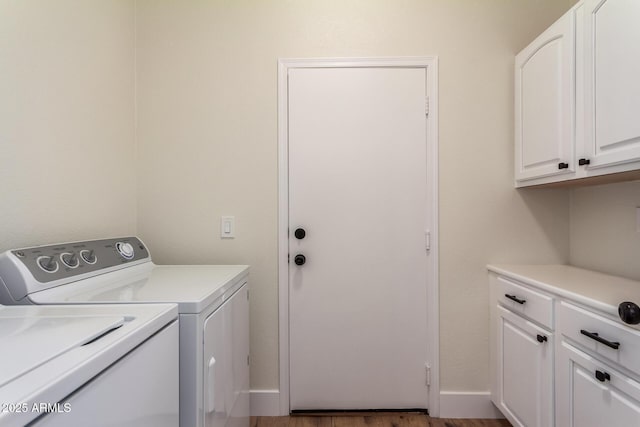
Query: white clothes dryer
213	304
101	366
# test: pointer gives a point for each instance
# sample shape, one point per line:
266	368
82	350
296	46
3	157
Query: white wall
207	135
604	236
67	136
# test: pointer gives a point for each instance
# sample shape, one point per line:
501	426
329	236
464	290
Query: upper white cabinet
577	96
612	82
544	103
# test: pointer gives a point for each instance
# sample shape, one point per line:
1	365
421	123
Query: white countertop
597	290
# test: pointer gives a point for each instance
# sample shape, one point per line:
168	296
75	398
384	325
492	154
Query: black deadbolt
300	259
300	233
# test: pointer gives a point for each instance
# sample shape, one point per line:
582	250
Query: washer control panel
62	261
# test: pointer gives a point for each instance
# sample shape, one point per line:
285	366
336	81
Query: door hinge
427	240
427	370
426	105
248	360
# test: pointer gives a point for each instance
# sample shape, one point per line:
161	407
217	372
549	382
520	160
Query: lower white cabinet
559	354
593	394
525	371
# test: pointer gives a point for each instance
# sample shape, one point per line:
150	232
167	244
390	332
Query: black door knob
300	259
629	312
300	233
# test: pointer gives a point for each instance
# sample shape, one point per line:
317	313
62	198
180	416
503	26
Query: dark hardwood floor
374	420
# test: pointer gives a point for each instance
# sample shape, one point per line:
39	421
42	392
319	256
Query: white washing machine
213	304
89	365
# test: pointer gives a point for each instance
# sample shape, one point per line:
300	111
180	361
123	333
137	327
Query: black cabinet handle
515	298
602	376
541	338
299	233
300	259
583	162
563	165
595	336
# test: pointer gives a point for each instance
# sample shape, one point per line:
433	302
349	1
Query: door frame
430	64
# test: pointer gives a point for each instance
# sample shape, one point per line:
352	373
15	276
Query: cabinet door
591	394
544	103
525	369
612	82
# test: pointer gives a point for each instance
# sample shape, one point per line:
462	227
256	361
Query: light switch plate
227	227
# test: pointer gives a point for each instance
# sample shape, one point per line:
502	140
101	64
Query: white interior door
358	187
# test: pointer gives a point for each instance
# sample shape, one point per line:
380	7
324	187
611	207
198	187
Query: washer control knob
69	259
88	256
125	249
47	263
629	312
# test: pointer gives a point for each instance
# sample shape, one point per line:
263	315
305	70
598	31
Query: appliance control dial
629	312
47	263
88	256
69	259
125	250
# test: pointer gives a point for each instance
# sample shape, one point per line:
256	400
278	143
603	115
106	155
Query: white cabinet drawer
613	341
526	302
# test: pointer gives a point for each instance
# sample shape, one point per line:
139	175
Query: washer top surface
34	340
50	351
192	287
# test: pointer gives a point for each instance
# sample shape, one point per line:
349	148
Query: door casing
430	63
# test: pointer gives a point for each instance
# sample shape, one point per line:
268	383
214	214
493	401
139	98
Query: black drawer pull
515	298
541	338
602	376
594	336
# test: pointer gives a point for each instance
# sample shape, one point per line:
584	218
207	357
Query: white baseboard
473	404
453	404
265	403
